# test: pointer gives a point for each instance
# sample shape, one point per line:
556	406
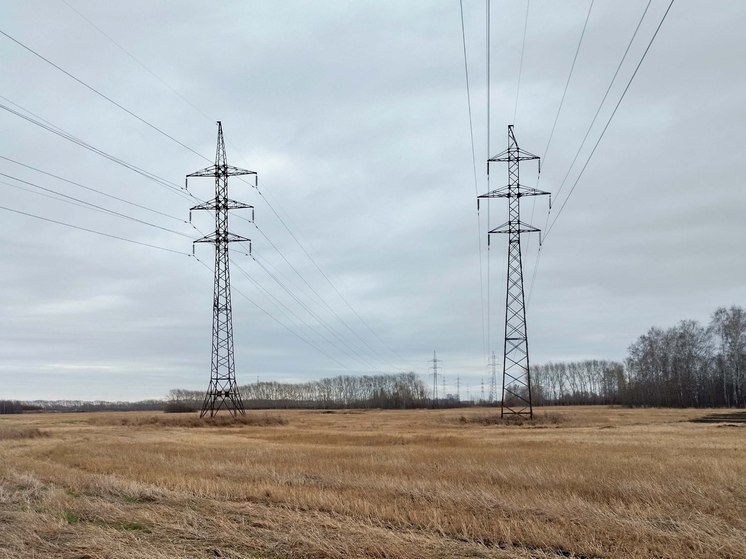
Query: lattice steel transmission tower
434	368
516	391
223	391
493	379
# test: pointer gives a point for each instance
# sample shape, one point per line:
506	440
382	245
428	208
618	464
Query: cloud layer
355	117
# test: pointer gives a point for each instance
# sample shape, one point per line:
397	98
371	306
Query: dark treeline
392	391
11	406
687	365
82	405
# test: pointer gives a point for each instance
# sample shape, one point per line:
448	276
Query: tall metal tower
493	379
434	368
223	391
516	391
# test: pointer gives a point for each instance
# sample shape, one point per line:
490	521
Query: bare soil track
577	482
729	417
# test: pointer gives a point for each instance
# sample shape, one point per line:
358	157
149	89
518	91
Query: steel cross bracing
516	389
223	391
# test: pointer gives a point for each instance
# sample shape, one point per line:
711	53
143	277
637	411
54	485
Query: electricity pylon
493	379
223	391
516	391
434	368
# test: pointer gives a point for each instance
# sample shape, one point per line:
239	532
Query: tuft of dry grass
18	432
538	420
188	421
606	483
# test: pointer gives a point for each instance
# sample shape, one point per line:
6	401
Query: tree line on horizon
29	406
387	391
686	365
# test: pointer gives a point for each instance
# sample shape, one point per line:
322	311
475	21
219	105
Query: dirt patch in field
737	417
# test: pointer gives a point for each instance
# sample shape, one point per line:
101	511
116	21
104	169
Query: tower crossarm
220	171
518	191
227	238
512	155
214	204
515	227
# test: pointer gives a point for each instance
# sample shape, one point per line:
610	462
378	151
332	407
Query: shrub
179	407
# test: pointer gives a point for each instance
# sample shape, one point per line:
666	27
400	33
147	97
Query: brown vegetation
586	482
191	420
15	432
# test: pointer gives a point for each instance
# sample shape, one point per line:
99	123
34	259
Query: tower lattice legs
222	392
516	388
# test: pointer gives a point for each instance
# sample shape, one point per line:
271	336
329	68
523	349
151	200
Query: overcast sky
355	116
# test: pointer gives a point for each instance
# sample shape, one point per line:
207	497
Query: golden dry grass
579	482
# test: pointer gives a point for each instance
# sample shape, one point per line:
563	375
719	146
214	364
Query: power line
149	71
331	342
93	231
577	153
520	68
329	281
603	100
279	302
487	31
92	206
489	225
474	165
567	83
318	319
67	136
172	138
134	204
323	301
103	96
107	98
593	151
270	315
144	67
137	61
518	95
58	131
608	122
91	88
50	196
349	350
152	126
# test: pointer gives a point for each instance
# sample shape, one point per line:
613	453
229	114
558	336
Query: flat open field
581	482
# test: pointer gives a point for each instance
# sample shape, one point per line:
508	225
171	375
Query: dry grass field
579	482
